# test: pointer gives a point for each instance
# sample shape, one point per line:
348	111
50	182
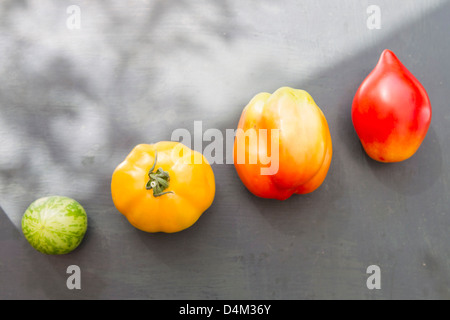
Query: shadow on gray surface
414	175
342	222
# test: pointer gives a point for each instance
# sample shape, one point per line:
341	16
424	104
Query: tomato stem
159	180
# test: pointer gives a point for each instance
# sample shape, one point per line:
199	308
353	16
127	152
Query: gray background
73	103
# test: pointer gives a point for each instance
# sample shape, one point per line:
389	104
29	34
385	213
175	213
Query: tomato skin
304	144
391	111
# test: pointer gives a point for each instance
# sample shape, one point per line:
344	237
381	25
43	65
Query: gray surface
74	102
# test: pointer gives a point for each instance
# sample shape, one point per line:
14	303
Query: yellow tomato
163	187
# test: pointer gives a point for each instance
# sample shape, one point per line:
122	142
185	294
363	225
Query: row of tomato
283	146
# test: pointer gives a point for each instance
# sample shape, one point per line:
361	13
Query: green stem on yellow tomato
158	181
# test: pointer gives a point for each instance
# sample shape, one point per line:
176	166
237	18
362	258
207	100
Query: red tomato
391	111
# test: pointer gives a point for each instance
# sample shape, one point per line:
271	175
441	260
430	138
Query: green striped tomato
54	225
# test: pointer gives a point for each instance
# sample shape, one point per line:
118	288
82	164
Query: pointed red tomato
391	111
